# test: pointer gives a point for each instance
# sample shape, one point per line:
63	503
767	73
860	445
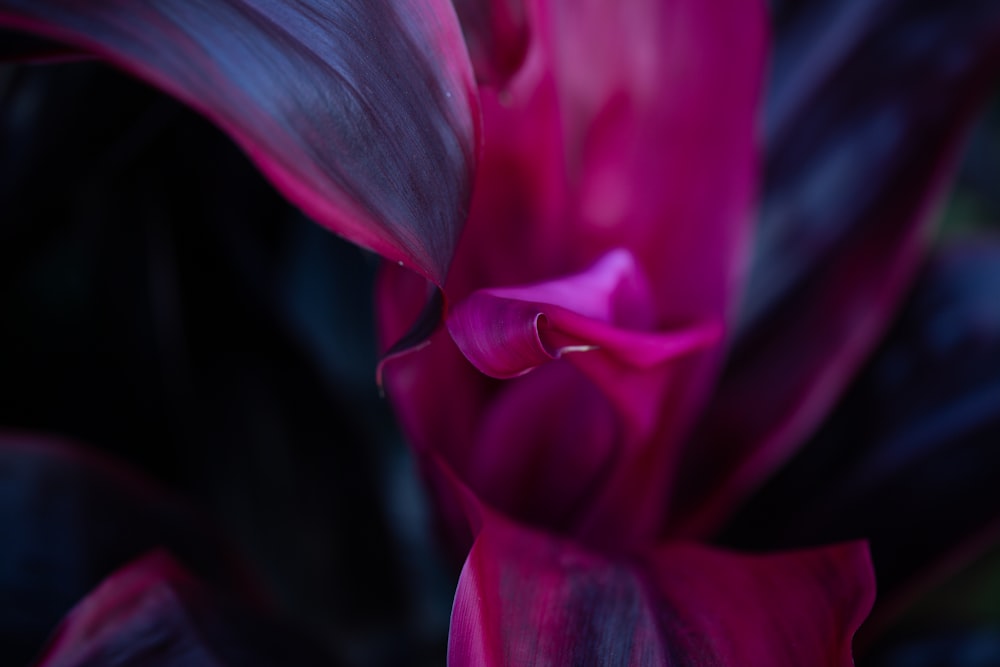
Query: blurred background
160	303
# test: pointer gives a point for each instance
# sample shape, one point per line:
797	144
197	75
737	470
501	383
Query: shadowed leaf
69	518
909	460
153	613
526	598
868	110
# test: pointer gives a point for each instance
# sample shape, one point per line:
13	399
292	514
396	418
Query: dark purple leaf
869	106
184	281
910	459
68	519
363	114
152	613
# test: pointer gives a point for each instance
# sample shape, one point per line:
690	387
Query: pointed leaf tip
364	114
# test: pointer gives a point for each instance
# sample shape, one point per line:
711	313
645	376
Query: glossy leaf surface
363	114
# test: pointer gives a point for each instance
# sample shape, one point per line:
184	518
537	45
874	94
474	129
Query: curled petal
551	447
527	598
363	114
600	319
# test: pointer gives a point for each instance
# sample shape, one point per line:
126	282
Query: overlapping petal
909	460
870	104
600	320
153	613
597	144
363	114
527	598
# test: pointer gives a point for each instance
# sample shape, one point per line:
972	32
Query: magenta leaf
363	114
527	598
630	128
600	320
628	137
870	106
909	458
155	614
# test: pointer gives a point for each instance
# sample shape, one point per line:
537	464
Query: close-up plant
526	332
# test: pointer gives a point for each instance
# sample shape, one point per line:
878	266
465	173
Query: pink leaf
630	128
601	320
526	598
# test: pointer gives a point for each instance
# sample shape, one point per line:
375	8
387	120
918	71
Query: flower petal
871	103
363	114
69	518
909	458
153	613
526	598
